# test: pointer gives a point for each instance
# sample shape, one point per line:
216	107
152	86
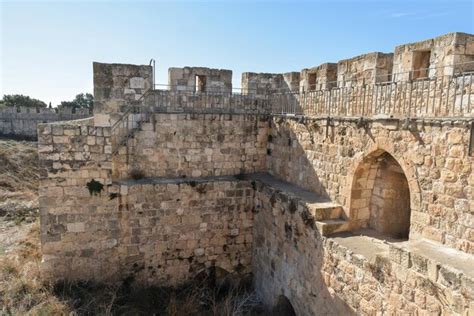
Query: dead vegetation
19	174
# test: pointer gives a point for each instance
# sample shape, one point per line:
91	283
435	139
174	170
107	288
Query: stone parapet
200	79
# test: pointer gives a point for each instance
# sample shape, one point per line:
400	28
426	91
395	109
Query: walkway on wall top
436	96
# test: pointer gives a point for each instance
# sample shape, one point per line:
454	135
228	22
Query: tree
22	100
81	101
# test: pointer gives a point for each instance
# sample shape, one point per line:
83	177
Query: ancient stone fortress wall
353	200
21	122
159	232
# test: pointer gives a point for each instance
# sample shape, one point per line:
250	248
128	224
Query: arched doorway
380	196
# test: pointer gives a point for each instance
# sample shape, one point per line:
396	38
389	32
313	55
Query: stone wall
364	69
263	84
320	276
21	122
200	79
160	232
199	145
433	157
382	196
77	216
172	229
322	77
117	86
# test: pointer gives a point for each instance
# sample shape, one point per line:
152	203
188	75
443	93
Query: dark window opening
311	82
200	83
421	63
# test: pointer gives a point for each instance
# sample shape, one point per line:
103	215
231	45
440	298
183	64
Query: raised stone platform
326	215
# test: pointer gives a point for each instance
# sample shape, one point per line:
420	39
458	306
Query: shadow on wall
283	307
290	268
296	147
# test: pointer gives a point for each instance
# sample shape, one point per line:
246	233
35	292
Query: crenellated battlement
21	122
431	78
53	111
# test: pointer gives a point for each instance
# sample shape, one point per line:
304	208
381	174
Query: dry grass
19	174
18	166
21	288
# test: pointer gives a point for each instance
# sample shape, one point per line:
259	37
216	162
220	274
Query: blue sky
47	48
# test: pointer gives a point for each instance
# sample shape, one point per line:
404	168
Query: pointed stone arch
380	185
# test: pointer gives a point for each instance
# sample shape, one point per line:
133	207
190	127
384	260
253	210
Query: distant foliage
21	100
81	101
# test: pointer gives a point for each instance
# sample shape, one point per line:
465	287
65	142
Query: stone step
325	210
331	226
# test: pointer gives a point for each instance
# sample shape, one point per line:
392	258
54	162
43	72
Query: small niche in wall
312	82
420	64
200	83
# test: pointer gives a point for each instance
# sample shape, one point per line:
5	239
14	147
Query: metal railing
205	102
219	90
446	96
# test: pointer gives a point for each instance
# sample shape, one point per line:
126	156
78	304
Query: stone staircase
126	128
328	217
129	123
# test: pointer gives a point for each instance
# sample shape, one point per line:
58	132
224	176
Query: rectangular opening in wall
420	64
200	83
311	82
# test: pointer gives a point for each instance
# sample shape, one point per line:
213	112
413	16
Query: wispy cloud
401	14
431	15
417	15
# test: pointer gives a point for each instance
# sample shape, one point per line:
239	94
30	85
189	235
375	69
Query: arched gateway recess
380	197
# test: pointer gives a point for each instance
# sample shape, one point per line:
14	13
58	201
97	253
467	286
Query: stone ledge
442	265
197	180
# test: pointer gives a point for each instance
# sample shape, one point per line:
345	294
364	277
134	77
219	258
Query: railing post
469	95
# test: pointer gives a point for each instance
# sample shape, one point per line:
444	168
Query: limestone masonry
345	188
